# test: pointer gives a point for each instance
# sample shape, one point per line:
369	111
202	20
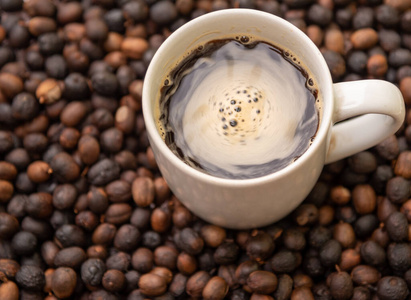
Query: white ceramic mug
356	116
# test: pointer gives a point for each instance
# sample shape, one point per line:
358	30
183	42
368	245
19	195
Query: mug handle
366	112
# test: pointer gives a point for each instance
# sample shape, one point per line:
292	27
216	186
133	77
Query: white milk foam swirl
245	118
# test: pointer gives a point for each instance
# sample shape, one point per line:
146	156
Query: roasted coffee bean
398	189
294	239
6	191
19	158
196	283
363	18
364	275
216	288
349	259
284	262
186	263
244	269
127	238
103	172
70	235
262	282
399	256
30	278
63	282
182	217
227	253
190	241
114	281
142	260
318	236
39	205
372	253
143	191
152	285
392	288
397	227
365	225
341	286
92	271
340	195
165	256
64	167
330	253
118	213
260	245
344	234
24	243
213	235
306	214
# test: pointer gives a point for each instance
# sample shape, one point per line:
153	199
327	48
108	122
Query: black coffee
238	108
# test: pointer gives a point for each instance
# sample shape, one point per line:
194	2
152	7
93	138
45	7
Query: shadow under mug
355	116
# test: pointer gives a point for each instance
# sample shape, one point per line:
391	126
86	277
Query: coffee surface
239	109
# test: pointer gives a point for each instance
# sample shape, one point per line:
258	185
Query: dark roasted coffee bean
87	220
30	278
260	246
24	106
151	239
190	241
365	225
104	234
284	287
119	261
19	157
372	253
392	288
341	286
111	140
398	189
399	256
70	235
284	262
92	271
24	243
56	66
318	236
387	15
16	205
103	172
227	253
142	260
71	257
104	83
330	253
363	18
64	167
118	191
397	227
127	238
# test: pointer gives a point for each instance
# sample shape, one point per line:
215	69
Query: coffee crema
238	108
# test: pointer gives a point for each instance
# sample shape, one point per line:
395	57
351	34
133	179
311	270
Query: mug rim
325	84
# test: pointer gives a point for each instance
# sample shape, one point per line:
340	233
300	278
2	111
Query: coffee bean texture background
85	213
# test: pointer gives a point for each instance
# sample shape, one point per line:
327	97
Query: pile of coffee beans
85	213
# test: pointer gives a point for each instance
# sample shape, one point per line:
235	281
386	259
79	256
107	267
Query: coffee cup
352	116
